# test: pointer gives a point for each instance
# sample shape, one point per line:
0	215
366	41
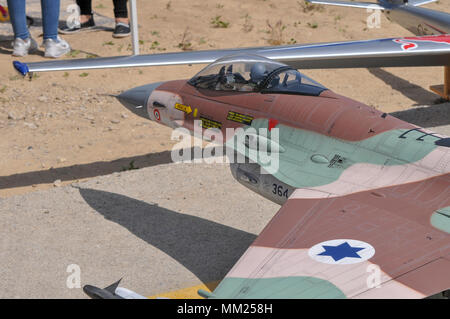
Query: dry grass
218	22
247	26
185	43
307	7
276	33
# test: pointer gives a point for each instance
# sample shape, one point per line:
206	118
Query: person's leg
50	18
54	45
85	10
85	7
122	23
18	18
120	11
23	42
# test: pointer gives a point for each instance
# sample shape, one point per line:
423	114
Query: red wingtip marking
405	44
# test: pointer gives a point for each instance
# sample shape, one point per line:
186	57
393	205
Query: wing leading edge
367	5
361	5
372	244
418	3
414	51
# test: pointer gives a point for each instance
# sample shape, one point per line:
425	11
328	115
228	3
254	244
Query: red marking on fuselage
272	124
157	115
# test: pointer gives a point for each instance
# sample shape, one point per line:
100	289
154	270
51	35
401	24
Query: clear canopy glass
252	73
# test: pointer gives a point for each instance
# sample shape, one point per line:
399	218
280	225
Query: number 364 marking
280	190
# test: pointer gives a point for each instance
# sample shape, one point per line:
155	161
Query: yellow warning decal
185	108
239	118
208	123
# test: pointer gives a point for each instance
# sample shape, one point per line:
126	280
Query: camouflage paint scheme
391	190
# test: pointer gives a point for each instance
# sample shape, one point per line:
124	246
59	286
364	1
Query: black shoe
30	21
122	30
83	26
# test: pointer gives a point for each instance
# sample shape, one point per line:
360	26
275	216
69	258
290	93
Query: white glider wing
391	52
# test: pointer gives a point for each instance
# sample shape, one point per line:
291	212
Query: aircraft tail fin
353	4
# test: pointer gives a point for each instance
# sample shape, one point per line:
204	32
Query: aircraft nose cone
136	99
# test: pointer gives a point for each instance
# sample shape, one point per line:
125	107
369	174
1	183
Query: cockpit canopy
253	73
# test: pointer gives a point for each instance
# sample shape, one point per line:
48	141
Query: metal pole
443	90
134	27
447	82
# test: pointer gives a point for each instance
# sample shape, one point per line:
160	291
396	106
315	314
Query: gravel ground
161	228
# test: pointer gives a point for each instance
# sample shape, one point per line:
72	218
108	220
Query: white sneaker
23	47
55	49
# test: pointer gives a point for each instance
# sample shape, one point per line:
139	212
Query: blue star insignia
341	251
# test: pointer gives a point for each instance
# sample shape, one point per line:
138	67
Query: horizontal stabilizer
363	5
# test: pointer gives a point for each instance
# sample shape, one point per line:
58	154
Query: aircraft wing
409	51
420	2
372	244
366	5
363	5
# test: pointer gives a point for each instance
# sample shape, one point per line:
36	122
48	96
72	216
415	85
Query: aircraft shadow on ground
412	91
81	171
206	248
431	116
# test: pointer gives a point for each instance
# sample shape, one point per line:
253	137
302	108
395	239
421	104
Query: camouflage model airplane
365	196
358	187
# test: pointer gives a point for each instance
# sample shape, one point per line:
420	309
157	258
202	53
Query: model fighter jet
364	195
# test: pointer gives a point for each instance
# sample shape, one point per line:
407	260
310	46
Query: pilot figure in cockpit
257	73
229	81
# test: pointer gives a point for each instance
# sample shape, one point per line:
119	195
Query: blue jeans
50	17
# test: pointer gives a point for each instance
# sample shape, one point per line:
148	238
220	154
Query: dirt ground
63	126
